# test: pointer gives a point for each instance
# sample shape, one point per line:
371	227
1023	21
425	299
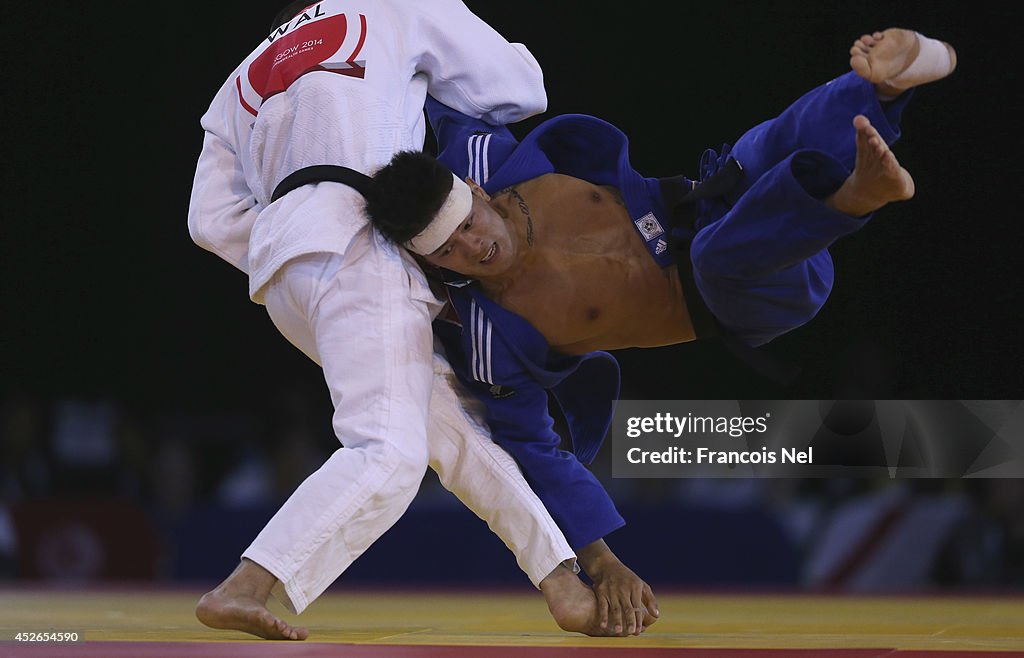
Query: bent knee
407	463
401	465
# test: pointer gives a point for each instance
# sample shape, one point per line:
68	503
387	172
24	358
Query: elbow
196	229
530	101
536	100
539	103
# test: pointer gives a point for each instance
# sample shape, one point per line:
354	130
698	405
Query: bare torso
588	282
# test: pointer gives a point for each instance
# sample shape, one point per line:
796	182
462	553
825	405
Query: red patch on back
295	54
315	46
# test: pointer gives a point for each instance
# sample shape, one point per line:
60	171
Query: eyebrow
437	252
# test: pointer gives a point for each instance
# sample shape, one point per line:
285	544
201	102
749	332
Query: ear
477	190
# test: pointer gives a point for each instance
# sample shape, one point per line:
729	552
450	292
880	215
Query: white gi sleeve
222	208
473	69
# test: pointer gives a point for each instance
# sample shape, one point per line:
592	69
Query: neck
526	225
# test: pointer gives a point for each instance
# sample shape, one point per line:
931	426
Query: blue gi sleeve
522	426
468	146
517	413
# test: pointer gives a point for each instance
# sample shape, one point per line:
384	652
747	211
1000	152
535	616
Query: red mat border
261	649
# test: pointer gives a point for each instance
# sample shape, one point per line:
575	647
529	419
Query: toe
860	65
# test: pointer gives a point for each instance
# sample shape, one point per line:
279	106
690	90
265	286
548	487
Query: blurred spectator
8	544
854	534
1004	505
174	479
894	535
24	463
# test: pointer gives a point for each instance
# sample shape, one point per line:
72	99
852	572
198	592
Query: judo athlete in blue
535	250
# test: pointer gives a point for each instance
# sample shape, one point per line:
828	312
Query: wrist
596	558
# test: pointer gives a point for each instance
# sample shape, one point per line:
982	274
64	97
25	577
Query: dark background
108	305
105	292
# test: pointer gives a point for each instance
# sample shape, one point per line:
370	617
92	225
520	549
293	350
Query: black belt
681	197
324	173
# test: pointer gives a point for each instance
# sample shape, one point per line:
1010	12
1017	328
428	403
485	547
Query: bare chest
591	283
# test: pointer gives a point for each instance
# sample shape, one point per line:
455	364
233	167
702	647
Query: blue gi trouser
760	257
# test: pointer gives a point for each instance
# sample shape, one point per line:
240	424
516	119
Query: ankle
933	60
845	201
886	93
249	579
559	578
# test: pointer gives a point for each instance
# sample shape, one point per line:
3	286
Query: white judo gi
344	83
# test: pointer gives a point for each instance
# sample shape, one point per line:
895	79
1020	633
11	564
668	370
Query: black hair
408	193
288	12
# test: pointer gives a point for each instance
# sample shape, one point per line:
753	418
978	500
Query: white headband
453	212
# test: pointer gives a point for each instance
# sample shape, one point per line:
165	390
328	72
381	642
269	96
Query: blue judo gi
758	256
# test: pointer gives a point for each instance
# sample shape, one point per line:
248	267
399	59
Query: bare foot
882	57
877	177
572	604
240	604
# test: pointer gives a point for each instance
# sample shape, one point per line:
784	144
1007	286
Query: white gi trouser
365	319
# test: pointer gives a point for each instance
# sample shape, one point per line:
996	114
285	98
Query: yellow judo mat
123	621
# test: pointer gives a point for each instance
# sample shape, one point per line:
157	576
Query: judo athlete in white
343	82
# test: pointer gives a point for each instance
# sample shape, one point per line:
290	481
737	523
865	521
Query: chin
488	271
